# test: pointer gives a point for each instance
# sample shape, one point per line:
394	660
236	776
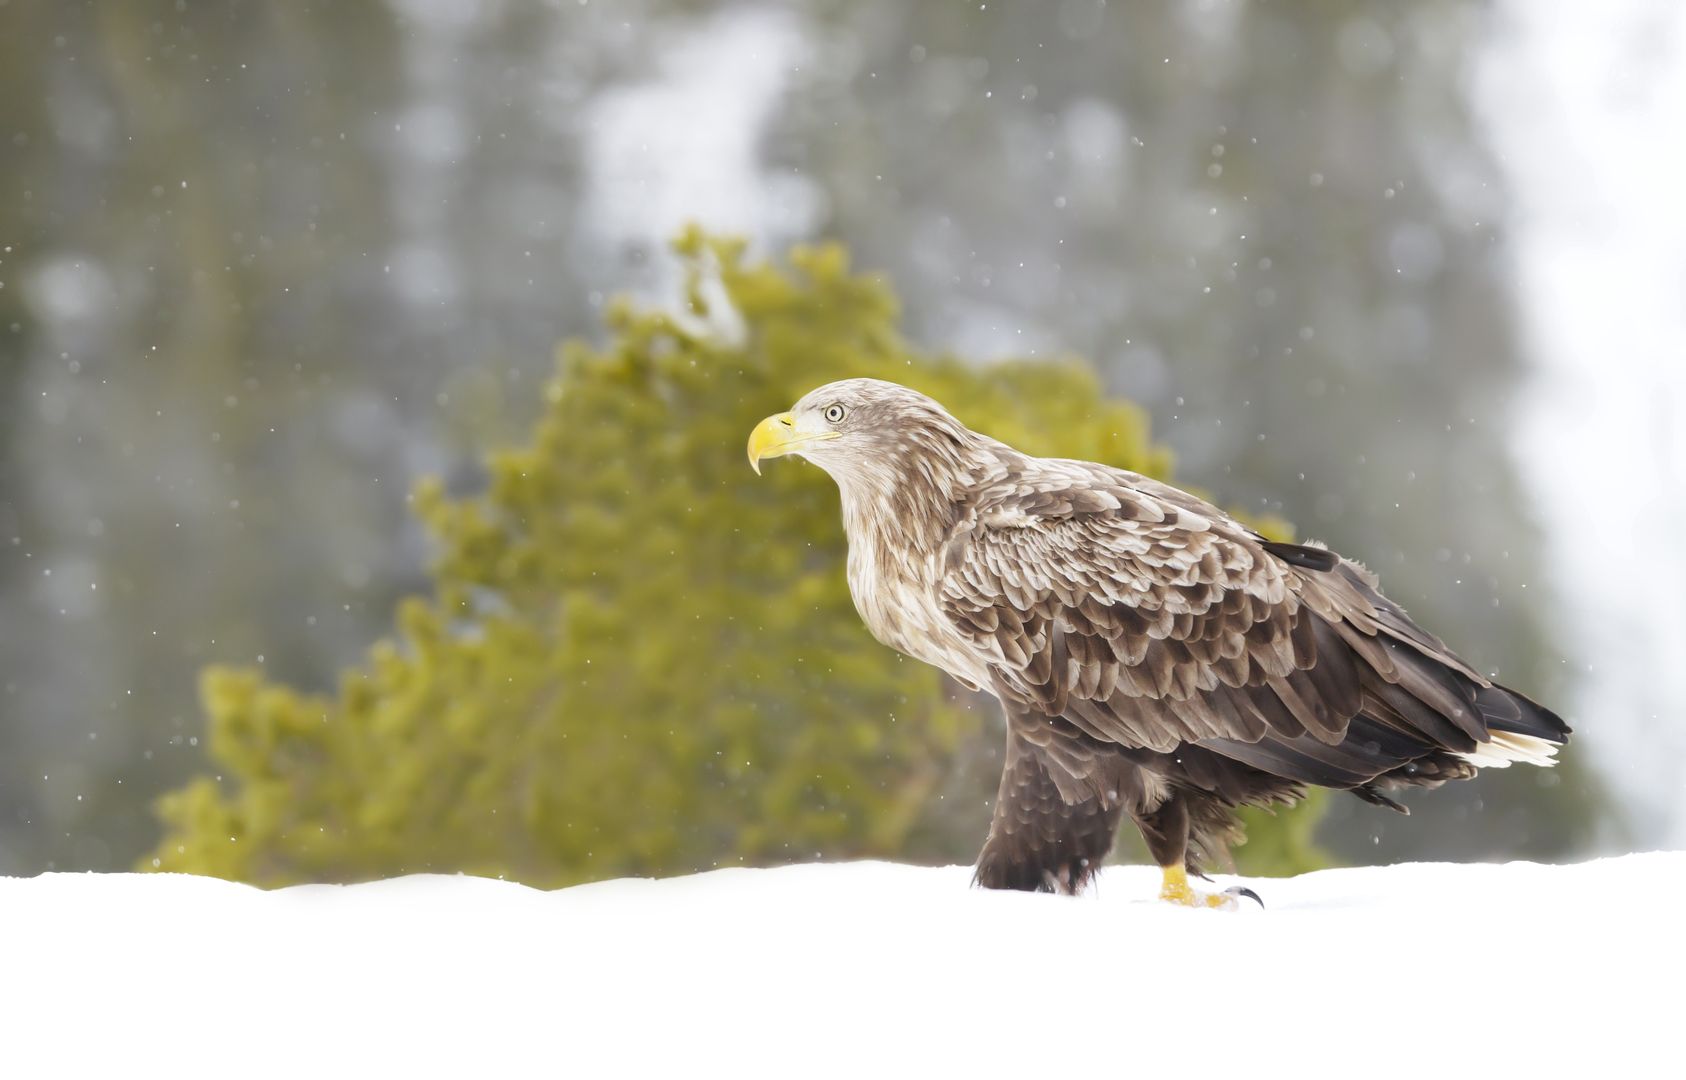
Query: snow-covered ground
863	969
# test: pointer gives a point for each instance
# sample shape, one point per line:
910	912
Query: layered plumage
1155	658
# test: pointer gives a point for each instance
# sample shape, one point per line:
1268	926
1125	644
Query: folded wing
1149	619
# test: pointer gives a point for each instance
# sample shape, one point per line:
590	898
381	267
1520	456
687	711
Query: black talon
1242	890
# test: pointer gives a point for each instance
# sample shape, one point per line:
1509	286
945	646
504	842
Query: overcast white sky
1586	105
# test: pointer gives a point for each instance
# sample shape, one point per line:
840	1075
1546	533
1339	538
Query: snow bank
849	969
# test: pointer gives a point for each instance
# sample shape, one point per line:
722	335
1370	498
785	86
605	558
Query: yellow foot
1177	890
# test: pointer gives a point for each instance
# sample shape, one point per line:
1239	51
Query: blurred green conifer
640	658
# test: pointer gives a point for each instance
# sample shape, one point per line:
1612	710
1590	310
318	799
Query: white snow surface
850	969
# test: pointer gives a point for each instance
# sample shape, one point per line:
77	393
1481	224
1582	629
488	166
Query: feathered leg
1040	840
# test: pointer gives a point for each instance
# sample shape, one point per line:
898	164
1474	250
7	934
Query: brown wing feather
1149	619
1146	623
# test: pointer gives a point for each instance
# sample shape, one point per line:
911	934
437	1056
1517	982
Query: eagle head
855	427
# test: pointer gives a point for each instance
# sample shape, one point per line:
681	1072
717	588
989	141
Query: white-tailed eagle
1155	658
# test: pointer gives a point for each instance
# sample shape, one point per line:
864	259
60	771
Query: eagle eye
834	414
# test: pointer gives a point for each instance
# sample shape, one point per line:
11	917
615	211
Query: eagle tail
1519	730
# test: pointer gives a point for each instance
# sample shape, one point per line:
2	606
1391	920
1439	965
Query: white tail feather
1505	748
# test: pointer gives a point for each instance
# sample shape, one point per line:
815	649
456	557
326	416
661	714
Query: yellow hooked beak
779	435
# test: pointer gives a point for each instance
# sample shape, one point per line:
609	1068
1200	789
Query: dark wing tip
1303	556
1506	710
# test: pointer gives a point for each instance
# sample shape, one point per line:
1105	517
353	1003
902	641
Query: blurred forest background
265	267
